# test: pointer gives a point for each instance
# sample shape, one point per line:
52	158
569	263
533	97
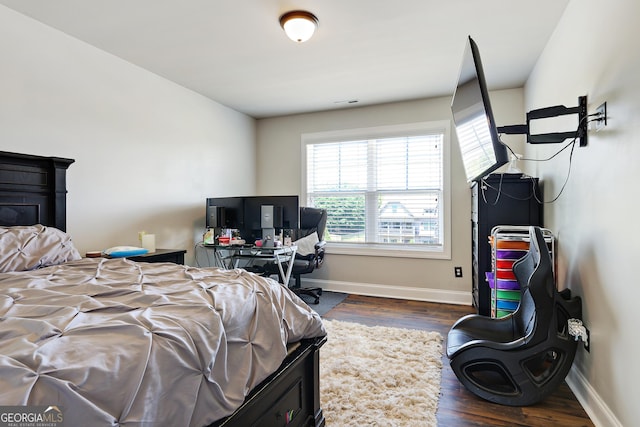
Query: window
384	188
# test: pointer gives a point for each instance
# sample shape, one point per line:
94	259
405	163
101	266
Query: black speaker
215	217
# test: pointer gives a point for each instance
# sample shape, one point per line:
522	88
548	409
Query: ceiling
364	52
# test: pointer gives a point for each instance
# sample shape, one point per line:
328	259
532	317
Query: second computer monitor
282	211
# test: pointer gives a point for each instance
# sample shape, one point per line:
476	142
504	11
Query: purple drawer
508	285
509	254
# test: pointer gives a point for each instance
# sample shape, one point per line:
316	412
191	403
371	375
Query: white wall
148	152
279	145
594	51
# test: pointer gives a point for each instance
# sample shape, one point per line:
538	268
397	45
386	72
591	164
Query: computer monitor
481	149
225	212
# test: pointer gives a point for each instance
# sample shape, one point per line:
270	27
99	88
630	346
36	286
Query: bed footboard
289	397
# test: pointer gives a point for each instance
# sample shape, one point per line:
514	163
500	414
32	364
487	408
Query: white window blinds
384	191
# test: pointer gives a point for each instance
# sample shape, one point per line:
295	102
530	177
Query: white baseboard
400	292
591	401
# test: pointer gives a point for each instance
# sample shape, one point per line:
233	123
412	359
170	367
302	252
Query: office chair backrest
535	275
312	219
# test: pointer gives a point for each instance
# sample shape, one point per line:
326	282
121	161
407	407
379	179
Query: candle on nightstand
149	242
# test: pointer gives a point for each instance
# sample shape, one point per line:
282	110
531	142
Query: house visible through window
381	191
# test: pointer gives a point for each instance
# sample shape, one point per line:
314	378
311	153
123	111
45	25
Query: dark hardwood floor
457	406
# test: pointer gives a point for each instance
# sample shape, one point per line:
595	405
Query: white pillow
307	244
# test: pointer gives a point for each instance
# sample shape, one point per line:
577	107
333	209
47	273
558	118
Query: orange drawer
513	244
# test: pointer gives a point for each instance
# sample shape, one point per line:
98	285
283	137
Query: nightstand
175	256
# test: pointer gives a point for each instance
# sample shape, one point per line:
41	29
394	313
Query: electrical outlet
457	271
600	119
587	343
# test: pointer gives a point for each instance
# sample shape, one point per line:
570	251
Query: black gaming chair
519	359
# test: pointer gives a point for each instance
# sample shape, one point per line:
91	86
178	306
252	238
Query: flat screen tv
481	149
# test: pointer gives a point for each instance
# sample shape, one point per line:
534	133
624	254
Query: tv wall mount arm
554	137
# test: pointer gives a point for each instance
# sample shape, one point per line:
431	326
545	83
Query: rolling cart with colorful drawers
509	244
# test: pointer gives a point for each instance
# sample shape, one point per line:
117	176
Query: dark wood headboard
33	190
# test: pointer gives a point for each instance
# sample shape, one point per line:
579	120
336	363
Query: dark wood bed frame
33	191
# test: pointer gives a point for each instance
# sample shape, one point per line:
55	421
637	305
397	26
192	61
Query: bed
118	342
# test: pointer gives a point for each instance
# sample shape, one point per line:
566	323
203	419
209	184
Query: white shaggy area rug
379	376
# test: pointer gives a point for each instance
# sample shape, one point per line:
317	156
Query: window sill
432	252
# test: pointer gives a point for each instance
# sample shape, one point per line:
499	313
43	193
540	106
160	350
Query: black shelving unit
499	199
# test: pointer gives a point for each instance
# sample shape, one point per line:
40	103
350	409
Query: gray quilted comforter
115	342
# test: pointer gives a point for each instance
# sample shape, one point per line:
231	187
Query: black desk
175	256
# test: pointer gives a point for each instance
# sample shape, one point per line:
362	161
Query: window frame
390	131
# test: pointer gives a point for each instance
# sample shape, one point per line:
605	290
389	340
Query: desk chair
519	359
312	220
311	249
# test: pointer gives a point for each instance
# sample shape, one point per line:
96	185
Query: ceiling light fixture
299	25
